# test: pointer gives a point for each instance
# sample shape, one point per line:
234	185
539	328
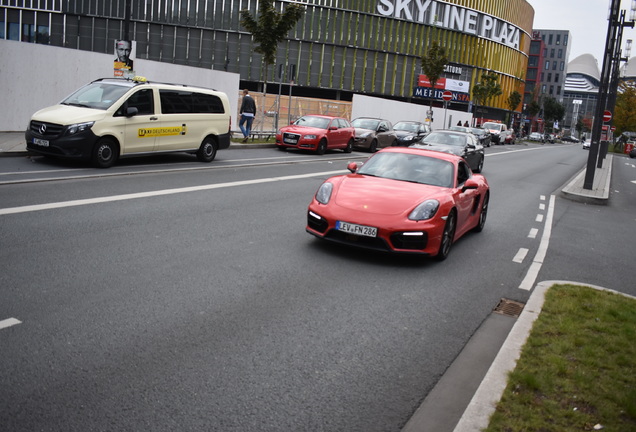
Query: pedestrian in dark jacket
247	113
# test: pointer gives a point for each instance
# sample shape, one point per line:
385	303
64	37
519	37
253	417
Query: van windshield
98	95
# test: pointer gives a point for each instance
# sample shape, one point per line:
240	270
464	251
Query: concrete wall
394	111
38	76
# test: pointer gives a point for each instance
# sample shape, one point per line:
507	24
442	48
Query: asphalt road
200	303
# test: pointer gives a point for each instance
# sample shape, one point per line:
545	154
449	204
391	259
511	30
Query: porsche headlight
311	137
78	127
425	211
324	193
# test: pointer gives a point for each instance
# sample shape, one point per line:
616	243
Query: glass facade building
338	48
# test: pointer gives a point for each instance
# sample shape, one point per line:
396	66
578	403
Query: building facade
556	52
339	47
581	92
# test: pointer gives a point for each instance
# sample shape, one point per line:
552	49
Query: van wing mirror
131	111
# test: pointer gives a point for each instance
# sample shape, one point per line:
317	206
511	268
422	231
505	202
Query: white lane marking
9	322
533	233
539	218
74	203
542	197
537	262
521	255
541	206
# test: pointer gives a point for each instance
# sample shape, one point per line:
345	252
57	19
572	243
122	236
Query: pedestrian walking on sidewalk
247	113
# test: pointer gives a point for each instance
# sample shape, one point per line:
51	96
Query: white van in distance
117	117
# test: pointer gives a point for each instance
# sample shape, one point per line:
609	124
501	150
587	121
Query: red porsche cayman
404	200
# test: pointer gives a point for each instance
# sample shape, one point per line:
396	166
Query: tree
270	28
553	110
579	126
625	110
433	63
513	101
486	89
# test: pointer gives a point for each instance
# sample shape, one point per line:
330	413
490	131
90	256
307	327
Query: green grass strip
577	371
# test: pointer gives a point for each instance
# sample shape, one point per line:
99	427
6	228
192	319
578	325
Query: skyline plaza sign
452	17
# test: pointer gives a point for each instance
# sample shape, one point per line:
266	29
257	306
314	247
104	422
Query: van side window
142	100
187	102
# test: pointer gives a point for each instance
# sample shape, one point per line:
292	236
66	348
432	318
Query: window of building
531	75
556	78
542	76
551	90
547	65
559	90
552	53
543	88
549	77
533	61
562	66
560	53
13	31
554	65
545	52
558	39
565	40
550	38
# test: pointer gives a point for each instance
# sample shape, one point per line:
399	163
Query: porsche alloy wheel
483	214
447	237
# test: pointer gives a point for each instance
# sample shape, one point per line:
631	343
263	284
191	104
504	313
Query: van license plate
41	142
362	230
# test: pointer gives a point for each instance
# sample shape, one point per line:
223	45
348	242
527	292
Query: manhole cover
509	307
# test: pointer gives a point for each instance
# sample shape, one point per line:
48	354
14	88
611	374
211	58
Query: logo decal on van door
161	131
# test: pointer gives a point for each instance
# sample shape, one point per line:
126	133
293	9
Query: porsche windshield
410	168
98	95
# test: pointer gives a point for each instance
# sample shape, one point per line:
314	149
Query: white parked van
116	117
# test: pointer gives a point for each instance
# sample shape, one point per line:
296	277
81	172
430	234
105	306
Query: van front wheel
105	153
207	151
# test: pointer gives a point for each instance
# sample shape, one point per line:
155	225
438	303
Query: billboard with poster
124	55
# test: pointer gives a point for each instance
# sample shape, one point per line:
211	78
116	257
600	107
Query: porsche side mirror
353	166
470	184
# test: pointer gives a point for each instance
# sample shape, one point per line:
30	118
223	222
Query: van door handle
153	118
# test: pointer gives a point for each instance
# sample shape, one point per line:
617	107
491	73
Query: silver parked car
373	134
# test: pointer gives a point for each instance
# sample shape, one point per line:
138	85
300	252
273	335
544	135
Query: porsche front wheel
482	215
447	237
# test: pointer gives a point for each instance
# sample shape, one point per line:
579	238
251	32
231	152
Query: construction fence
274	111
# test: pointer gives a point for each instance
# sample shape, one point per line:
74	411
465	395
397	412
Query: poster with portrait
124	55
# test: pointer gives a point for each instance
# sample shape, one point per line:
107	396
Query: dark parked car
483	135
461	144
409	132
570	138
373	133
632	153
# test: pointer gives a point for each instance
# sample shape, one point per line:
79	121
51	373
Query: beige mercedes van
113	118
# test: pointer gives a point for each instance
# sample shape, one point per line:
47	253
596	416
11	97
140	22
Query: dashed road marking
9	322
537	262
533	233
521	255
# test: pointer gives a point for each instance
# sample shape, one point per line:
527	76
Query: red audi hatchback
317	133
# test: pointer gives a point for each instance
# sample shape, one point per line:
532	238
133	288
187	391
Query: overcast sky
585	19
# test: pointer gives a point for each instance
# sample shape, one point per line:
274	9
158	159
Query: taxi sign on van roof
138	78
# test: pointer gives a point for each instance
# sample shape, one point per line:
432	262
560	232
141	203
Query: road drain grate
509	307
